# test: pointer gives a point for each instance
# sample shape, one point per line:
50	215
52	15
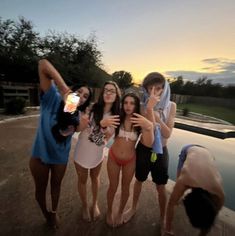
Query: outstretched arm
47	72
176	194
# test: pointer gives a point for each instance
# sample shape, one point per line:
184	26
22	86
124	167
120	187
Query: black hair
123	114
87	102
65	119
201	208
153	78
98	107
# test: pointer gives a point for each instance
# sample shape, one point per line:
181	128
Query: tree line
78	60
201	87
21	46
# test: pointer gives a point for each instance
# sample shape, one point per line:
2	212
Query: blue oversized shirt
45	146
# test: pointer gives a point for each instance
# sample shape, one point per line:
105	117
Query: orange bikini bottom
120	162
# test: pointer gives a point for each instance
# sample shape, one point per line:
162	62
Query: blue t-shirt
45	146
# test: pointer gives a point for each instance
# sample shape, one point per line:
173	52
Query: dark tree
123	79
79	61
18	50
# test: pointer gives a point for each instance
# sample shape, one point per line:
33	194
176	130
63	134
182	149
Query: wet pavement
20	214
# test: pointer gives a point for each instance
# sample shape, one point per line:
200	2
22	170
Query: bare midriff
123	149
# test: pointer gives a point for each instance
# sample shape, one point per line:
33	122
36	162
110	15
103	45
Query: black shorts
158	169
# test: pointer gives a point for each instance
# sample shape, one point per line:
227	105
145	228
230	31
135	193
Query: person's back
197	172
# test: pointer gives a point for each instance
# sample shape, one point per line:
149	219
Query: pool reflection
223	150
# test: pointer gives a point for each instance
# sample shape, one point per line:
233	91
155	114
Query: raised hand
154	98
110	121
140	121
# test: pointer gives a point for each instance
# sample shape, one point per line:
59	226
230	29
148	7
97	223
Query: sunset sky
192	38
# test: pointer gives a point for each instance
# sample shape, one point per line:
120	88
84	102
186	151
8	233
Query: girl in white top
122	153
91	141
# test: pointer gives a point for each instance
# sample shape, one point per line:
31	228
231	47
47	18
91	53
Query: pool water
223	150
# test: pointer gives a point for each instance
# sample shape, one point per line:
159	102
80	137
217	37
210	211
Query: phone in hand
71	103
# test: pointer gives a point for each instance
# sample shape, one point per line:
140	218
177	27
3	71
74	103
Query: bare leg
113	174
162	199
40	173
95	183
57	174
136	194
82	190
127	175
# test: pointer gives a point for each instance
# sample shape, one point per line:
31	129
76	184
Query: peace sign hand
154	98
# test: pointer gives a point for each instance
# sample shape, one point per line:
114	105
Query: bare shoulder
173	107
186	177
178	191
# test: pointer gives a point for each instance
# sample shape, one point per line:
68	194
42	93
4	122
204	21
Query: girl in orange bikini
122	153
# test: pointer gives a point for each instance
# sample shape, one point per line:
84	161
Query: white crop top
131	135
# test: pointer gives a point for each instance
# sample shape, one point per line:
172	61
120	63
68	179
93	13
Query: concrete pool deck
211	129
20	214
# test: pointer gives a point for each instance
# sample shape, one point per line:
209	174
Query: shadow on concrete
20	214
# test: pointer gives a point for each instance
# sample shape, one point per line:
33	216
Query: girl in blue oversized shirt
52	143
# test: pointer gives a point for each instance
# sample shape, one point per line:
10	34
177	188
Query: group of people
137	131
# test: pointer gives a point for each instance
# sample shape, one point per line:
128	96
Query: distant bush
185	111
15	106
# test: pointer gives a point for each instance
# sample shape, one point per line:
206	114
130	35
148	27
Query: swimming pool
223	150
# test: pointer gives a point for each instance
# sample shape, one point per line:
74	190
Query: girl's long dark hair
87	102
98	107
64	119
123	114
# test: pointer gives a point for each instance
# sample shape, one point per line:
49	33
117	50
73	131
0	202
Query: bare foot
127	215
47	215
86	214
53	220
119	220
109	220
95	212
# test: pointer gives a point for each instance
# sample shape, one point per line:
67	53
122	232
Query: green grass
227	114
